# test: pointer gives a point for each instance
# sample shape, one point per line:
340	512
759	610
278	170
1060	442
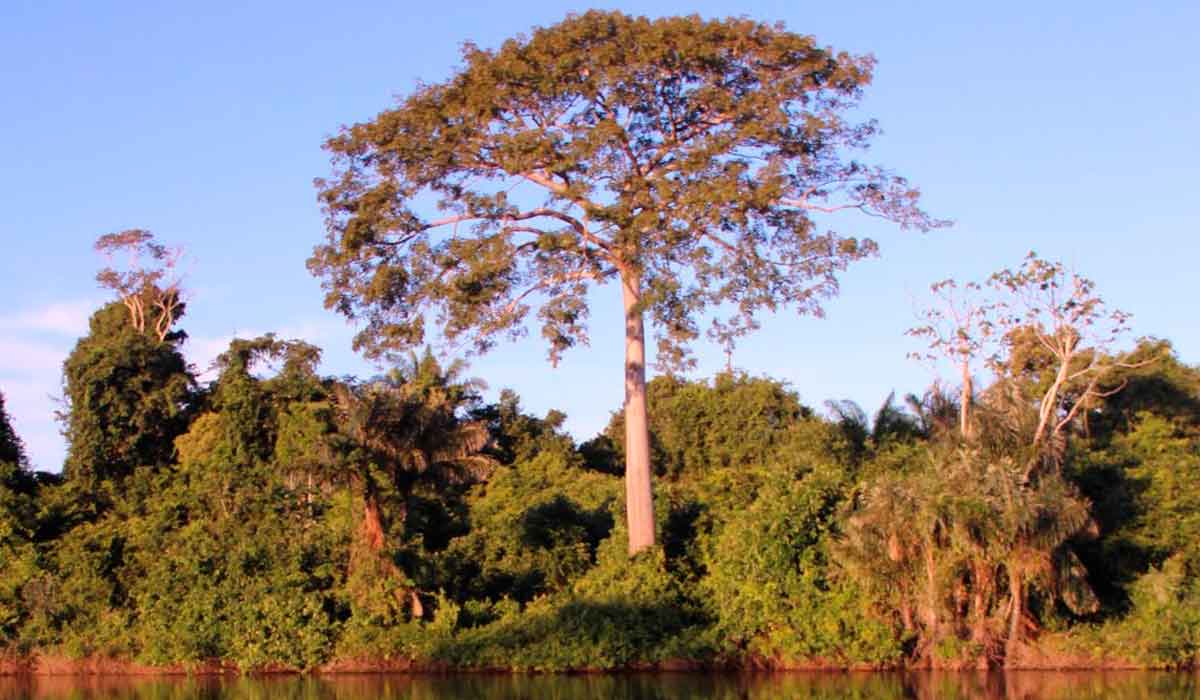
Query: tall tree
687	160
127	398
147	280
127	386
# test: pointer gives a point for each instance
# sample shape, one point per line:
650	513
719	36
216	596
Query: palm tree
936	411
891	422
1037	523
958	543
399	432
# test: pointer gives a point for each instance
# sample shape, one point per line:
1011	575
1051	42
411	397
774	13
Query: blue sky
1069	128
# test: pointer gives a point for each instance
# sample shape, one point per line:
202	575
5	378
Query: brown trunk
368	542
932	618
906	617
639	503
368	552
372	525
981	585
1012	648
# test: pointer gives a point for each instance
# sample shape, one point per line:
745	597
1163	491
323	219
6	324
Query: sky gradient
1068	128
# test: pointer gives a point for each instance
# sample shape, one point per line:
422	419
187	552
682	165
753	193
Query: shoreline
60	666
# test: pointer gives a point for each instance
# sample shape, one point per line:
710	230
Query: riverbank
1035	658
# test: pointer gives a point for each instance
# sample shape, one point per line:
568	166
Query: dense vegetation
277	518
694	164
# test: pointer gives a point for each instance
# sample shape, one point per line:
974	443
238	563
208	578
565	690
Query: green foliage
517	437
1165	621
1164	470
685	156
291	520
1161	629
12	449
18	525
1137	470
621	613
535	527
698	427
127	395
769	583
943	544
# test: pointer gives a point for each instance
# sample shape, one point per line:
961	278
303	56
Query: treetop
692	157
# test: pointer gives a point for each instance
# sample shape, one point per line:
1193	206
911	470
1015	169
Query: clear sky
1069	128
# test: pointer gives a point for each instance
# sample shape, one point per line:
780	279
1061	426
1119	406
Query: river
785	686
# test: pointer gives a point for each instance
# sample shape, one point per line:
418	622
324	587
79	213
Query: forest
1038	510
274	518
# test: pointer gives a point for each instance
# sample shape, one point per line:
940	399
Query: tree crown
689	157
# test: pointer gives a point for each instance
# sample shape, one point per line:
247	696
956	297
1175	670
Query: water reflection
848	686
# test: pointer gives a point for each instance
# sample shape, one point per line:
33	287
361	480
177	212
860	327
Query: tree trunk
368	542
933	624
981	593
906	616
968	396
639	503
1012	647
372	525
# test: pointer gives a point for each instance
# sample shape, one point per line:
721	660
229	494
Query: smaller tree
395	434
149	278
1055	313
1042	327
957	328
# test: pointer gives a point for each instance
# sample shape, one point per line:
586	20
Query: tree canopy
693	155
688	159
127	396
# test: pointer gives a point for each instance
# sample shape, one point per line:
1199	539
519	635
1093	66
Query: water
935	686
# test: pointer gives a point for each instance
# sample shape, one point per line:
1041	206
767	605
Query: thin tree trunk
1012	647
906	616
372	525
981	592
1050	401
639	503
933	625
968	396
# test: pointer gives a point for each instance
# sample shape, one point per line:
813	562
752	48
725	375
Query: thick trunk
368	543
639	504
367	553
